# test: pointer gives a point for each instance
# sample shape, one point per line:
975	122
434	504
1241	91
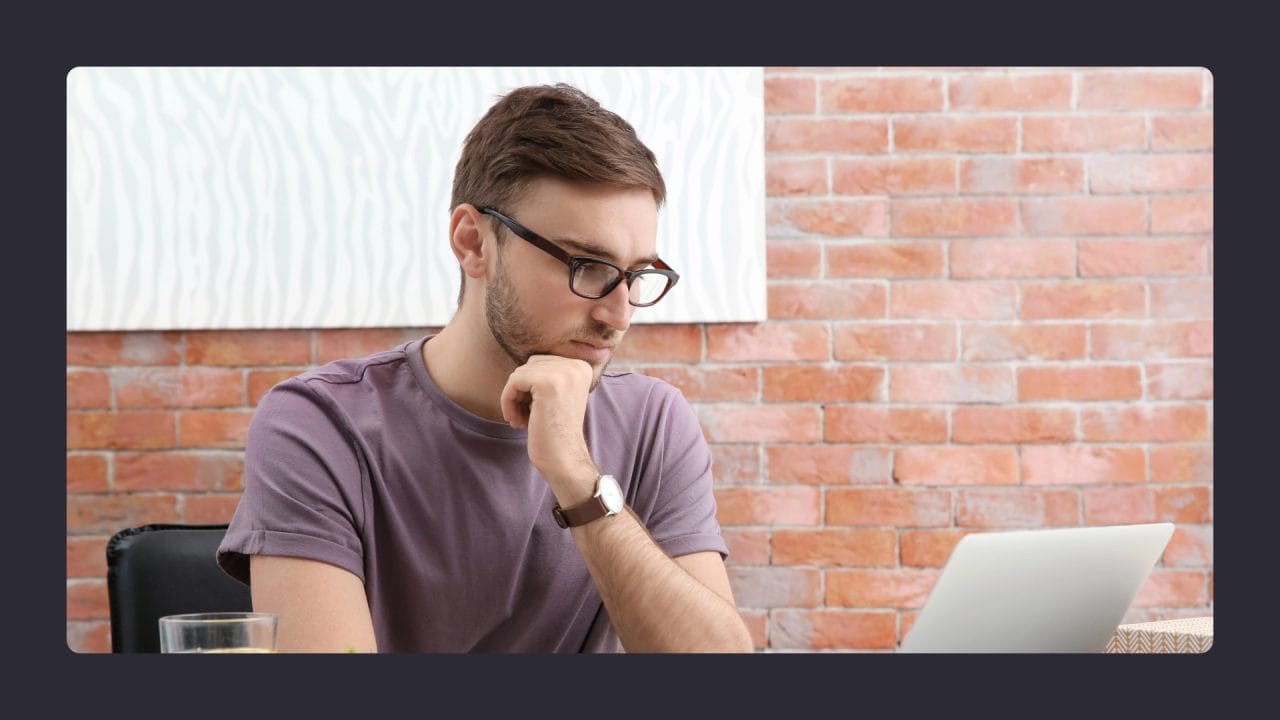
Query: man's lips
593	351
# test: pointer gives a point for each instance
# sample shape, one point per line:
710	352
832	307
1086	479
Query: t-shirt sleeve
302	486
682	519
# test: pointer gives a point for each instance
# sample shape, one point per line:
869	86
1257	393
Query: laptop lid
1061	590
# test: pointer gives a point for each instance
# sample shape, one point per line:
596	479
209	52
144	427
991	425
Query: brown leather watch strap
592	509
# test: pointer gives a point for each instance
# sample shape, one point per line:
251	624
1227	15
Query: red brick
1083	465
1150	173
950	383
767	342
1093	382
209	509
710	384
770	587
828	300
86	473
130	429
1179	381
1013	425
787	176
1183	505
1173	588
1145	423
762	505
661	343
1023	342
1010	92
904	588
1182	214
1152	340
793	259
1143	256
87	515
178	387
757	622
865	424
1182	464
1021	176
1004	508
955	134
345	343
844	383
746	547
956	466
1131	90
895	341
88	389
1190	546
881	94
1188	298
789	94
885	260
828	465
760	423
87	600
840	218
178	471
952	300
1083	299
954	217
89	636
123	348
894	176
87	556
1119	506
1181	132
260	381
929	548
837	547
832	630
249	347
826	135
1090	133
214	428
1012	258
1084	216
736	464
897	507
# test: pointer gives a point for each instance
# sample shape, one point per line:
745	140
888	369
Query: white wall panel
203	198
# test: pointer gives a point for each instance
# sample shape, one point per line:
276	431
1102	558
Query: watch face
611	494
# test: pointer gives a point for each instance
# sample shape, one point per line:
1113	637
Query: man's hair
549	130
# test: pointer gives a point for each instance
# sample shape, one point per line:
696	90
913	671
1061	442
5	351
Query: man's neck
468	367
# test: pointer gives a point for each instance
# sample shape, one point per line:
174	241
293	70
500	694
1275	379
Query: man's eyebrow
586	248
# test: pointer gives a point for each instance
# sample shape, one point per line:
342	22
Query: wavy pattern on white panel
318	197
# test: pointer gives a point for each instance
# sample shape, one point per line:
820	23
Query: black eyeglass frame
576	261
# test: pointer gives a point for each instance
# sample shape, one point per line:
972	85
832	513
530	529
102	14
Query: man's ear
467	240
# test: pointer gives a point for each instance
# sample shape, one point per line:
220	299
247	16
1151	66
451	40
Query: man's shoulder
633	387
363	374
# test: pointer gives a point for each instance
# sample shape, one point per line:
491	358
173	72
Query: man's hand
548	395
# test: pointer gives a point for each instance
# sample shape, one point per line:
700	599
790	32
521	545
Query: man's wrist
574	486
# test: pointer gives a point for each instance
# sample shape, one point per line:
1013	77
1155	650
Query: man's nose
615	308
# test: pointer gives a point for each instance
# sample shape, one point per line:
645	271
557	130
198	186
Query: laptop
1024	591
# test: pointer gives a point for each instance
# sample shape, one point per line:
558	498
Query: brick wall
990	307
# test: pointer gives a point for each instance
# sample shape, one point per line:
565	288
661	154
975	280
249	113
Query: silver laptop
1037	590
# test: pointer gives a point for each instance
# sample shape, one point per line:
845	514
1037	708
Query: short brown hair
549	130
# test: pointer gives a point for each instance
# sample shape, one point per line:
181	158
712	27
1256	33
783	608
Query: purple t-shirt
367	465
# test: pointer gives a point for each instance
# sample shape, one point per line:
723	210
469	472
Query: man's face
528	304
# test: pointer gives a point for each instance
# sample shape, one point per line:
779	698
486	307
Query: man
491	488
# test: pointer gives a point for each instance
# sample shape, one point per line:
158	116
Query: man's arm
322	607
656	603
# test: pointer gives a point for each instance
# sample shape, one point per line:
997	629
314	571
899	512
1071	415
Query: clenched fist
548	395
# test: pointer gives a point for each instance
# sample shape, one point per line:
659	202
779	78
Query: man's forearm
654	604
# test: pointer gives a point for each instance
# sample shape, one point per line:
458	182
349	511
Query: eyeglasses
593	278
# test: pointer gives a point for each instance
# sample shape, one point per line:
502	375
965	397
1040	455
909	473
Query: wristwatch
607	501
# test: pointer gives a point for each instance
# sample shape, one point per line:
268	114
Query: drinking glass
219	632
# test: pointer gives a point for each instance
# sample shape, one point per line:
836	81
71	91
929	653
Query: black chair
164	569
